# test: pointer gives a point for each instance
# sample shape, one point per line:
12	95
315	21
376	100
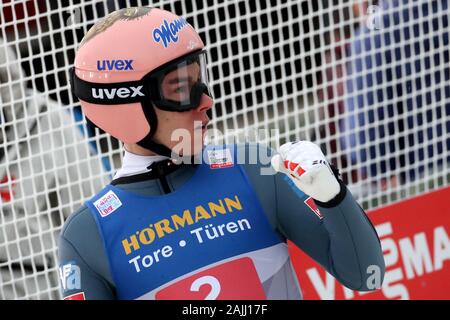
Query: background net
366	80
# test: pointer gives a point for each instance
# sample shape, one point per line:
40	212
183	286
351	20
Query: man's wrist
337	199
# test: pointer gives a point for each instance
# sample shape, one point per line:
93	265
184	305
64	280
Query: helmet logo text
114	65
167	33
117	92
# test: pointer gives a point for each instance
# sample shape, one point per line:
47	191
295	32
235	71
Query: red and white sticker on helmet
220	158
76	296
312	205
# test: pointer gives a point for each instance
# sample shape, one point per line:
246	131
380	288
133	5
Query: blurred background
369	81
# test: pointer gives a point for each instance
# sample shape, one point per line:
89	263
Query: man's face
176	85
183	132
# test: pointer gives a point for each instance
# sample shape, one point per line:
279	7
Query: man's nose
206	102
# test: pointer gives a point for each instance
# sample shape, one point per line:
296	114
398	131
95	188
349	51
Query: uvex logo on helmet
130	92
114	65
167	33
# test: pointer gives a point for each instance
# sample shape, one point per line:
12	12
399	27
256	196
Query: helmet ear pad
140	117
128	123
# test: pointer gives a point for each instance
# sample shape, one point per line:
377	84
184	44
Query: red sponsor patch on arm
76	296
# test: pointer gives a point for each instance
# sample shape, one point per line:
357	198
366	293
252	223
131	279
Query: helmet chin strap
147	142
162	150
150	144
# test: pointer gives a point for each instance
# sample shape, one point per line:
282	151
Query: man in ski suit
213	229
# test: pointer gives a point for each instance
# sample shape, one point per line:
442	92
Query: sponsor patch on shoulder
76	296
312	205
220	158
107	204
70	276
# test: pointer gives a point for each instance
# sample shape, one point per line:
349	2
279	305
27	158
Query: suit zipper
164	185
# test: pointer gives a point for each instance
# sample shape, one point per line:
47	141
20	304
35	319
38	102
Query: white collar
135	164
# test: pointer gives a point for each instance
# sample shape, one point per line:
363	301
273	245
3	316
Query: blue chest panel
152	240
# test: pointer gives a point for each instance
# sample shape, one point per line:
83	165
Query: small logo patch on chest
107	204
220	158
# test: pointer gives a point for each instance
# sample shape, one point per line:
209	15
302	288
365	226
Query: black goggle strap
108	93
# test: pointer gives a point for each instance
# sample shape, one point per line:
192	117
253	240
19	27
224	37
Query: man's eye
182	89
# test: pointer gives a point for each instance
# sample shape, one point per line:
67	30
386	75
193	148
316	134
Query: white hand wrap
308	168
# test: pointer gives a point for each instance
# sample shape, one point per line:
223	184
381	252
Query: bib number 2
237	279
207	280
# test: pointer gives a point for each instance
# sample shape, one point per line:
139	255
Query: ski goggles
175	86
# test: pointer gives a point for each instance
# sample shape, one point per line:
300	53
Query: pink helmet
120	68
